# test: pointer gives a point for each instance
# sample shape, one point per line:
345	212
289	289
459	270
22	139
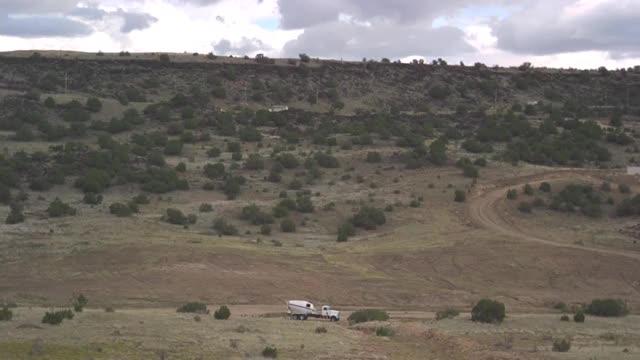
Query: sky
552	33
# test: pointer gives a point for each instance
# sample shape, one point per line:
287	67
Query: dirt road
483	211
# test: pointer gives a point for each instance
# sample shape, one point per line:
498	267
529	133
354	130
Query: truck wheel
298	317
305	317
333	318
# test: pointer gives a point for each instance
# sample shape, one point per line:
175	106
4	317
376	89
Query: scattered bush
448	313
564	318
254	162
205	208
222	227
470	171
607	308
94	104
56	317
512	194
79	302
525	207
482	162
92	198
57	208
214	171
288	226
384	331
528	189
6	314
255	215
123	210
561	345
579	316
181	167
368	218
459	196
321	330
488	311
265	229
141	199
213	152
366	315
345	231
270	352
545	187
374	157
193	307
175	217
15	215
223	313
624	189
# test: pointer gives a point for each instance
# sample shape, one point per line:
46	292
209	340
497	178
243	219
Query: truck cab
329	313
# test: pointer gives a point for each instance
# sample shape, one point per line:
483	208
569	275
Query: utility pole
66	81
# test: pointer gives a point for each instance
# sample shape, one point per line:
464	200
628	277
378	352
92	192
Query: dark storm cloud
353	41
42	26
610	26
246	46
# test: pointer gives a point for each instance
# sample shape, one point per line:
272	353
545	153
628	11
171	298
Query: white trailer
302	310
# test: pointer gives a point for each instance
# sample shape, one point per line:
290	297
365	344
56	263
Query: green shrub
624	189
254	162
448	313
512	194
488	311
326	160
561	345
366	315
345	231
528	189
384	331
6	314
57	317
545	187
214	171
57	208
607	308
123	210
374	157
288	161
223	313
181	167
564	318
525	207
265	229
321	330
368	218
579	316
214	152
15	215
79	302
288	226
249	134
482	162
205	208
459	196
222	227
173	147
175	217
470	171
94	104
255	215
193	307
141	199
92	198
270	352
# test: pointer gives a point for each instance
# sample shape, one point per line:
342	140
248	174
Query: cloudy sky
559	33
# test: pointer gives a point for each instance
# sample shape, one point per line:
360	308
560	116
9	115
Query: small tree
176	217
205	208
193	307
528	189
345	231
270	352
79	302
488	311
15	215
223	313
57	208
459	196
222	227
579	316
6	314
545	187
94	105
512	194
607	308
304	58
288	226
561	345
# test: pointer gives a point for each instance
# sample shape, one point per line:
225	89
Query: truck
302	310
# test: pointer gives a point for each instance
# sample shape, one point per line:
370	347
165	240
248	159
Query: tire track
483	212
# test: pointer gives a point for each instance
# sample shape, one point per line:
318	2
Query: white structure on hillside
633	170
279	108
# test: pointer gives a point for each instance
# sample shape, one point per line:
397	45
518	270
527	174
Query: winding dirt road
482	209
